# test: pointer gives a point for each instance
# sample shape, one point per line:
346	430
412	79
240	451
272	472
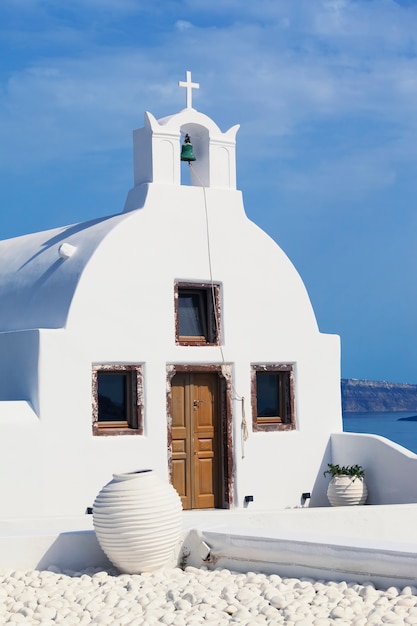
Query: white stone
182	605
392	592
407	602
278	602
409	589
144	600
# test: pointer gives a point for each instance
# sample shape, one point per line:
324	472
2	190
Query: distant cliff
372	396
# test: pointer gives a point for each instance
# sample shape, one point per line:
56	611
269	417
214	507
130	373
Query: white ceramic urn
137	518
344	490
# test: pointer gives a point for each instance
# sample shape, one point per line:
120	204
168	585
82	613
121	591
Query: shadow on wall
319	491
64	234
75	551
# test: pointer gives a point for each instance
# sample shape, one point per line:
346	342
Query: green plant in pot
347	486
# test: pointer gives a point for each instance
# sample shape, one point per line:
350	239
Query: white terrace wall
390	469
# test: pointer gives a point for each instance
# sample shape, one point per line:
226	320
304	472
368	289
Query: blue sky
326	95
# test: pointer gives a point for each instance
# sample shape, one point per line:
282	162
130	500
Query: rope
243	426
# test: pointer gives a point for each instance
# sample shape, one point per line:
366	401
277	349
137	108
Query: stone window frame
213	289
286	379
134	425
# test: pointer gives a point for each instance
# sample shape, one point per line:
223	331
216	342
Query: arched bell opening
195	172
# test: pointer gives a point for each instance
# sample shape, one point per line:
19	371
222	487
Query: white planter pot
346	490
138	519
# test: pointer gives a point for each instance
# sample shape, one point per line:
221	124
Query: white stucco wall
122	311
36	283
112	301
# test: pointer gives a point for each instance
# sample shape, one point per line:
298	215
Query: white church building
175	336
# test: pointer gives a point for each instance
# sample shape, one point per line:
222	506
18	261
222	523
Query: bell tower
157	149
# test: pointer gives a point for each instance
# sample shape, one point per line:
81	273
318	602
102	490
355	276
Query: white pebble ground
195	596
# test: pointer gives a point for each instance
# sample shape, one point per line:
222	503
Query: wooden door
195	439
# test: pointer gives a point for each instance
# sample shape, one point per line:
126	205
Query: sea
400	426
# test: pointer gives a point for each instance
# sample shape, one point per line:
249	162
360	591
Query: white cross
189	87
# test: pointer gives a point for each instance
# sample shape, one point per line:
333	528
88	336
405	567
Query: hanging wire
243	426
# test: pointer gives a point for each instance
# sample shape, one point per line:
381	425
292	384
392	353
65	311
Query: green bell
187	153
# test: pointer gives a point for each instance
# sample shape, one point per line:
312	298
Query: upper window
197	314
272	397
117	407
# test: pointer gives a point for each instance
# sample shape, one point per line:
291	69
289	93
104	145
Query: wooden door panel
205	440
179	474
205	445
204	496
179	445
181	458
195	439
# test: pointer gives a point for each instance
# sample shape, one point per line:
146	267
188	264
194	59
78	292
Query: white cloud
183	25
